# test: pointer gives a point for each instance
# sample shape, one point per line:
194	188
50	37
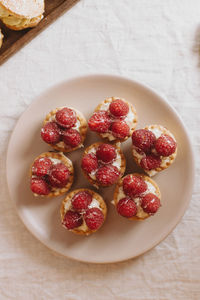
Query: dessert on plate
114	119
64	129
154	148
103	164
137	197
20	14
52	174
83	211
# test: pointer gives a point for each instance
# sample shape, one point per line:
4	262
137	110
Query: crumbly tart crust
68	198
145	178
67	162
32	23
165	163
134	123
82	129
122	167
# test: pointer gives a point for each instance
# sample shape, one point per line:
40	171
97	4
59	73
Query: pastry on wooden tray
137	197
83	211
154	148
114	119
52	174
64	129
103	164
20	14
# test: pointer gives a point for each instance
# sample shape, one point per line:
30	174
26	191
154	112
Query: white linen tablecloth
155	42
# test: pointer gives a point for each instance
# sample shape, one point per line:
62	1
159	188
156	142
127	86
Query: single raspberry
150	162
143	139
94	218
165	145
50	133
99	121
59	175
71	137
107	175
72	219
119	108
66	117
41	166
39	186
89	162
120	129
81	200
134	185
106	153
150	203
126	207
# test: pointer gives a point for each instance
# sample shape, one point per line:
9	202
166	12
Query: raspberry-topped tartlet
137	197
83	211
52	174
114	119
64	129
103	164
154	148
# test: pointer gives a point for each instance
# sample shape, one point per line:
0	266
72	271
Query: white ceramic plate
119	239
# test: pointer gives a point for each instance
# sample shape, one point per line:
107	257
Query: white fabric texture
155	42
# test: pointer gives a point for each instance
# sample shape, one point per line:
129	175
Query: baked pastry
83	211
154	148
1	38
137	197
114	119
20	14
103	164
52	174
64	129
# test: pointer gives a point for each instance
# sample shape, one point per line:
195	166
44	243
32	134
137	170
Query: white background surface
155	42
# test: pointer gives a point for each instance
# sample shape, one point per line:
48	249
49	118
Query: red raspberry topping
119	108
89	162
81	200
59	175
106	153
72	219
150	203
150	162
143	139
107	175
134	185
66	117
165	145
41	166
94	218
120	129
126	207
71	137
50	133
39	186
99	121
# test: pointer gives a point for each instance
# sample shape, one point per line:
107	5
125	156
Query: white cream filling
94	203
140	212
129	119
116	162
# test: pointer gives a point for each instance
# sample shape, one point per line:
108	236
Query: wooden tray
14	40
